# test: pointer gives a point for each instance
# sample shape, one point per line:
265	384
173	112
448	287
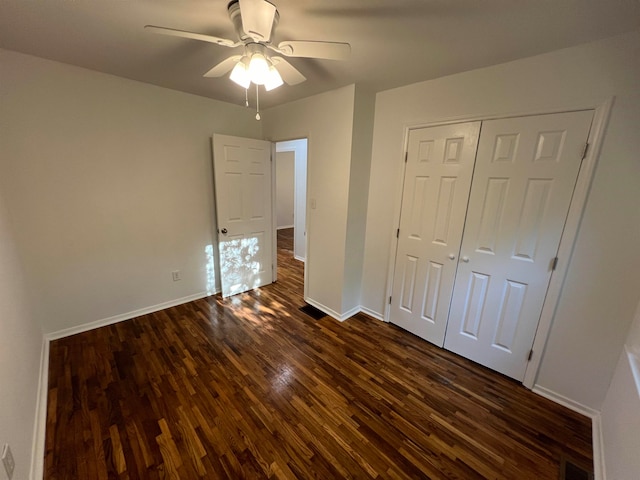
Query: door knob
223	231
452	256
465	259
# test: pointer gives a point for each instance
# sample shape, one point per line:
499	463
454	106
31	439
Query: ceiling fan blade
194	36
223	67
257	18
310	49
287	71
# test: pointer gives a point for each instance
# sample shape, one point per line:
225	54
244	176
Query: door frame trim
305	136
287	148
601	114
274	219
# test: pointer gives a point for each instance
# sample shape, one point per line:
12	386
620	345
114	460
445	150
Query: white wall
326	120
620	416
299	149
285	182
108	185
363	115
633	339
20	351
600	292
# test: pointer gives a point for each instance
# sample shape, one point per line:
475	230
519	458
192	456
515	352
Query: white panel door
436	189
525	173
242	173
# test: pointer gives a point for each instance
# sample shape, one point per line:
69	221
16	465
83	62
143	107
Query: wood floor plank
251	387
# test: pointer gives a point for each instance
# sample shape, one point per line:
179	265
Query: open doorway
291	196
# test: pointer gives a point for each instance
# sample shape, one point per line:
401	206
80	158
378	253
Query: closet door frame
601	112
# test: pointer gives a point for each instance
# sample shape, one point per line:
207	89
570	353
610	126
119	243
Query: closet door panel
436	190
524	177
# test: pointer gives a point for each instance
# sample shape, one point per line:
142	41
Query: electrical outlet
176	275
7	460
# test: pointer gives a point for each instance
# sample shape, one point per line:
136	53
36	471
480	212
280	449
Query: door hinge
406	156
398	233
530	355
389	300
554	263
585	150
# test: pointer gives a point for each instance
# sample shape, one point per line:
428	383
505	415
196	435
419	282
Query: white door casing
436	188
523	183
299	148
243	195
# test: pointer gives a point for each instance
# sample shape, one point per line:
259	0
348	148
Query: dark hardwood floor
285	240
250	387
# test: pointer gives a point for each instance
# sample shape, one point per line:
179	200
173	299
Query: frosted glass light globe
258	69
240	75
274	80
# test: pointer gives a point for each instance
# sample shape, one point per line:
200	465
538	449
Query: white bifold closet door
525	173
436	190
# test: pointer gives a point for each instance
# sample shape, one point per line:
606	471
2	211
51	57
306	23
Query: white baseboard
350	313
284	227
599	471
332	313
325	309
565	401
346	315
371	313
40	424
123	316
298	257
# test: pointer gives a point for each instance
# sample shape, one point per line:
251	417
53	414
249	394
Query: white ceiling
394	42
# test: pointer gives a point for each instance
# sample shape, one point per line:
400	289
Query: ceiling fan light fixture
258	69
240	75
274	80
254	22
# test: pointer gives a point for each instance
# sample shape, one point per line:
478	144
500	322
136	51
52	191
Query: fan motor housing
233	8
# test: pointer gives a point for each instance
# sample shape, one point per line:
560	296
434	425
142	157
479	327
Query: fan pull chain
257	103
246	97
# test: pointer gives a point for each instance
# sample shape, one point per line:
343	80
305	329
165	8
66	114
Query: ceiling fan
255	22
